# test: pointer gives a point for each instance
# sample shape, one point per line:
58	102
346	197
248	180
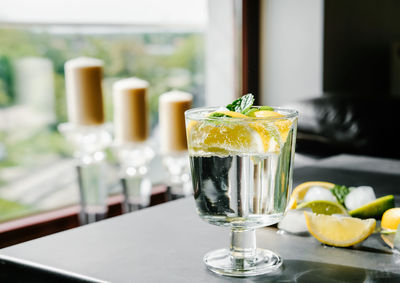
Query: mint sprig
217	115
257	108
242	104
340	192
251	111
269	108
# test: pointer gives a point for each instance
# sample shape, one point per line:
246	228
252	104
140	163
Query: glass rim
197	114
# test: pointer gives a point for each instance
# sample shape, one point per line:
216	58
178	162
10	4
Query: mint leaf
340	192
242	104
269	108
251	110
217	114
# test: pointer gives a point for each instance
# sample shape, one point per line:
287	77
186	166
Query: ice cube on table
319	193
294	222
359	196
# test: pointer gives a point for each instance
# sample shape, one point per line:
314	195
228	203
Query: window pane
36	171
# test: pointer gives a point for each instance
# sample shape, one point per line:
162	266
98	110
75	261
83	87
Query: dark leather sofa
334	124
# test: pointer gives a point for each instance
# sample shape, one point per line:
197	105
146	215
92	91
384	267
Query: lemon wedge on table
339	231
300	191
391	219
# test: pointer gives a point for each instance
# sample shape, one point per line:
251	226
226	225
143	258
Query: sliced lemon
266	132
391	219
283	125
324	207
226	136
265	114
300	191
339	231
225	112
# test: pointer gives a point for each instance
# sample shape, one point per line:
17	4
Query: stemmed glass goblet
241	170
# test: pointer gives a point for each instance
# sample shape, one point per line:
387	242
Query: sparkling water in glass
241	169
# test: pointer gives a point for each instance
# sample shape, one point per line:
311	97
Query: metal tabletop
166	243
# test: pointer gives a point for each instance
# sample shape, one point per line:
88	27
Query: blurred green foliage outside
166	60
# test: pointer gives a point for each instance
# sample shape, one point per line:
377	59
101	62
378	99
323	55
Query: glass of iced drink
241	166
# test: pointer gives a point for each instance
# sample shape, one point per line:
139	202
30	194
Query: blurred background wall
311	47
291	50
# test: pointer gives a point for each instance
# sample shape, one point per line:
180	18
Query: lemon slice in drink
324	207
300	191
283	126
339	231
226	136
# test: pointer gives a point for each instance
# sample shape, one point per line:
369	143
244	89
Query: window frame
244	18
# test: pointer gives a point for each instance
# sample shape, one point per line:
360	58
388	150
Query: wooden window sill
43	224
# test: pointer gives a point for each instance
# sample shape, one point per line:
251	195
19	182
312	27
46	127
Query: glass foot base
221	262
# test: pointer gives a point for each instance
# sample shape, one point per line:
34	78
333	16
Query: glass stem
132	192
93	191
243	247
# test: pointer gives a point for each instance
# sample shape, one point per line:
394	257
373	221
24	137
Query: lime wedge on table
324	207
374	209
